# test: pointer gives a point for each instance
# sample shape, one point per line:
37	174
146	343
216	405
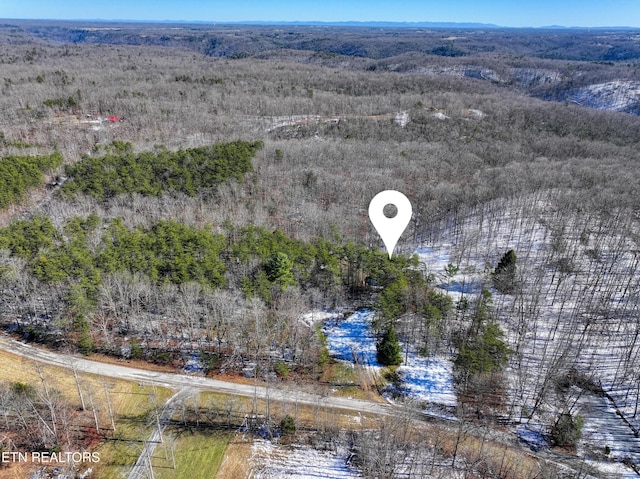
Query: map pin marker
390	229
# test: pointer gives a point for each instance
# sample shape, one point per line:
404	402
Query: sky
513	13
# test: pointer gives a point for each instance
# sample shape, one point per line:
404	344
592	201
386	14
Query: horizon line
351	23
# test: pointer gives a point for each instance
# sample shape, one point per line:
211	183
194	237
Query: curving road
179	381
569	465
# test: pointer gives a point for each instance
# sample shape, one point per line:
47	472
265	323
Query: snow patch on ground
474	113
269	460
534	435
402	118
313	317
194	365
428	379
616	95
352	339
435	258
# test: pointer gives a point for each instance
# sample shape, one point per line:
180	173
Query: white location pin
390	229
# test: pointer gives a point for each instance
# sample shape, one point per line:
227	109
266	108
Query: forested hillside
316	141
171	196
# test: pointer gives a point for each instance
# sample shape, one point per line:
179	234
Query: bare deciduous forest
182	190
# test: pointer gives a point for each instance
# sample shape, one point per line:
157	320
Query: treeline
255	267
151	173
171	252
20	173
86	259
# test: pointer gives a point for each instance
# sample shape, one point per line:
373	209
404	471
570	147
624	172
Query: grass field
340	374
197	455
236	463
133	407
18	369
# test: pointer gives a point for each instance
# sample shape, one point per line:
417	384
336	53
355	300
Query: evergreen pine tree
483	349
279	270
504	276
388	348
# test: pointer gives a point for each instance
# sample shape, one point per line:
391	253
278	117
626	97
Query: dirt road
569	465
179	381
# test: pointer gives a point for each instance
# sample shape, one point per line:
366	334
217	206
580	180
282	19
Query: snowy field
269	460
425	379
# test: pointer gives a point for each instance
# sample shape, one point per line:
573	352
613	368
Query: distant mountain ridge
383	24
349	23
371	24
357	40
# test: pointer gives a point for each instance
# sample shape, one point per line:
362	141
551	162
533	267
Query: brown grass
498	458
236	463
130	400
15	368
123	394
357	382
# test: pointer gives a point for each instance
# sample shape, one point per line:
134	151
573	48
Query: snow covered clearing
426	379
269	460
352	339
